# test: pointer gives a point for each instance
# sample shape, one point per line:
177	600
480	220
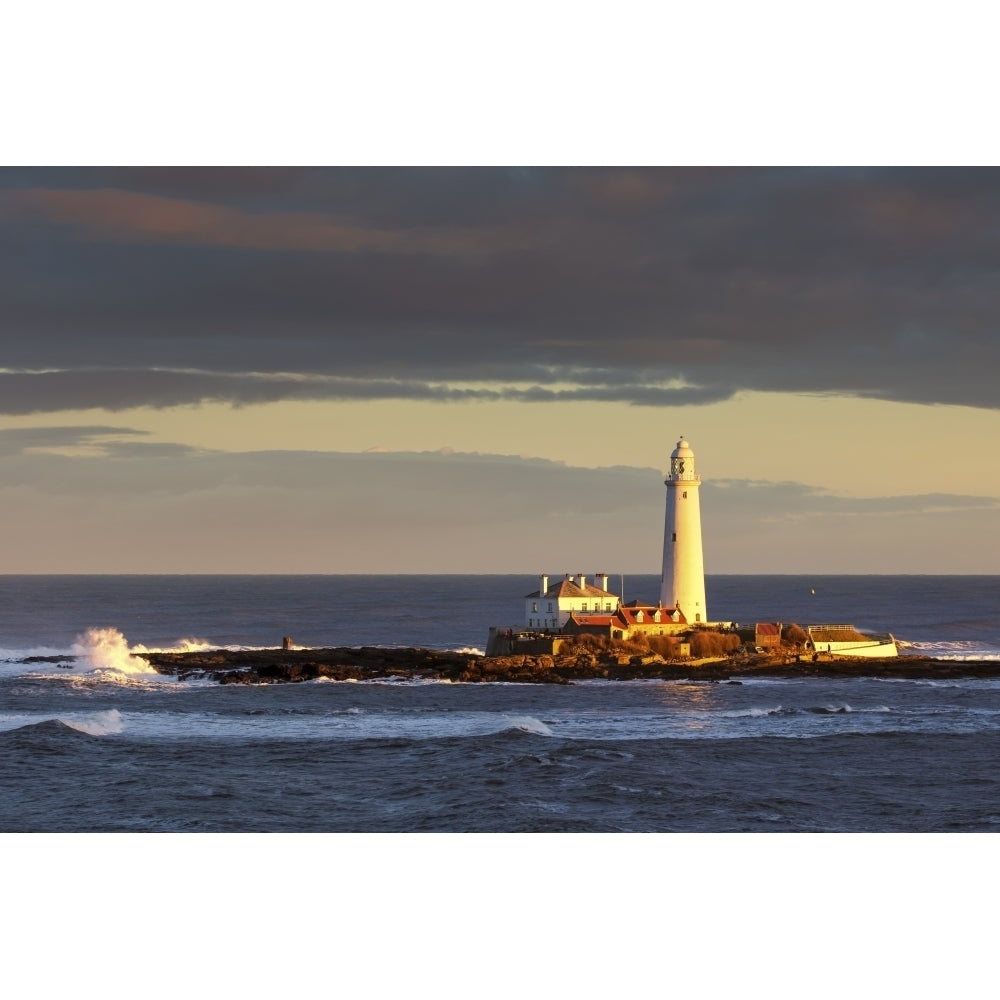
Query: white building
550	606
682	583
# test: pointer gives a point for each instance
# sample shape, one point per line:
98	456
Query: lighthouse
682	584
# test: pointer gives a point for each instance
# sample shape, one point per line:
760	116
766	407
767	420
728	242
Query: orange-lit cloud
132	217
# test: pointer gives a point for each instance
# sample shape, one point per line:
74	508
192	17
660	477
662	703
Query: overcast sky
484	370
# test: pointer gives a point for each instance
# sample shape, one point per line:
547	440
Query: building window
583	607
674	537
534	606
550	605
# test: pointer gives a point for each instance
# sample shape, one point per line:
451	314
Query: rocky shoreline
278	666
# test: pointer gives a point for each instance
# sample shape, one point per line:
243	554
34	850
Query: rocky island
572	663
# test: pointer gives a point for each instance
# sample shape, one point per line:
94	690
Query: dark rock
278	666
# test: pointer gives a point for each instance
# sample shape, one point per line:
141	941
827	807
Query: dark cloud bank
127	287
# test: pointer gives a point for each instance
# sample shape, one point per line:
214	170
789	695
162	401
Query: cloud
136	506
134	217
17	440
777	502
653	286
121	389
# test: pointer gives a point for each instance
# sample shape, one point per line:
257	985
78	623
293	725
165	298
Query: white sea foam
100	654
750	713
107	649
180	646
956	650
96	723
390	681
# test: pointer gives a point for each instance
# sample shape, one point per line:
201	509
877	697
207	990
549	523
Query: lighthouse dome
683	450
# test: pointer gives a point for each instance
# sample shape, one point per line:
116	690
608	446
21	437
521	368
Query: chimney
583	581
545	584
602	580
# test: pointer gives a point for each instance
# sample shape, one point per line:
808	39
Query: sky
484	370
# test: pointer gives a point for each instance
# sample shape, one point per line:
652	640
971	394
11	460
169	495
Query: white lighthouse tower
682	584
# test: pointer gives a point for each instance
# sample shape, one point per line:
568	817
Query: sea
99	743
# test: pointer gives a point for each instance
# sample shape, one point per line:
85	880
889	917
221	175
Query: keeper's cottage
550	606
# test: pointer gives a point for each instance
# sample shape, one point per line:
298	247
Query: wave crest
96	723
528	724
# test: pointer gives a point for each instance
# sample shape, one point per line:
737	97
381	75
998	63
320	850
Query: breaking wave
101	654
104	649
180	646
956	650
92	723
528	724
96	723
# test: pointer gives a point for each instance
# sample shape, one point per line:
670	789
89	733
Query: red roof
767	628
604	620
630	611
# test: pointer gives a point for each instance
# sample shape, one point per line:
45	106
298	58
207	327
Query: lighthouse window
673	537
685	494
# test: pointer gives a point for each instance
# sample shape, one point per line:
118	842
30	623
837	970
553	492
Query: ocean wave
757	713
100	654
342	724
92	723
842	709
962	649
528	724
180	646
17	655
96	723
